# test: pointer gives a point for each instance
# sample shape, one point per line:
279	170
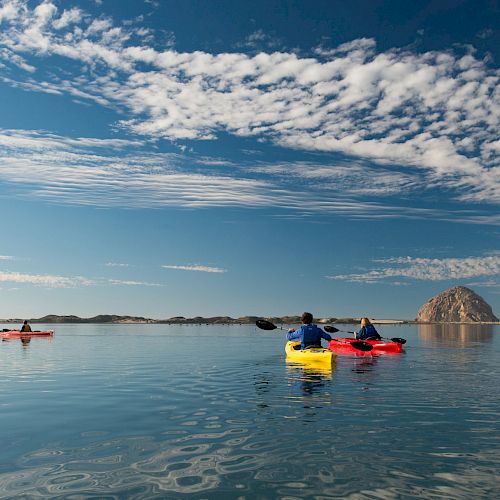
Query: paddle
398	340
332	329
357	344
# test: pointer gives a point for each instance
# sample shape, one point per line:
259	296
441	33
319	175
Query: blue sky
166	158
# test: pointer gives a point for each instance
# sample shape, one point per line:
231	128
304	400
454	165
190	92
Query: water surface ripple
156	411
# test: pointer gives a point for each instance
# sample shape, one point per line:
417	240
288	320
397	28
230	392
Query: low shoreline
219	320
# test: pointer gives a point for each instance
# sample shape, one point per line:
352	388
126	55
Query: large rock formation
457	304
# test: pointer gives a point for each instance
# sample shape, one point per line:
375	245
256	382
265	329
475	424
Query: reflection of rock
458	304
459	334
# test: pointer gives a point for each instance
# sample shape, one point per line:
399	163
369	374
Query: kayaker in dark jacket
26	327
309	335
367	331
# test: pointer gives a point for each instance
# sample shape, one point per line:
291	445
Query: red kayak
15	334
343	346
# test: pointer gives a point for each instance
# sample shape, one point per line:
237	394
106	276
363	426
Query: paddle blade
399	340
265	325
330	329
362	346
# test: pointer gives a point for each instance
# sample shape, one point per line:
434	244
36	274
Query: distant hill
181	320
114	318
102	318
457	304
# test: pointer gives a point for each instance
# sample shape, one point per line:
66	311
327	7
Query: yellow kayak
315	355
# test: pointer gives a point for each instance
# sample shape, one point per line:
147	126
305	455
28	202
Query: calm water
154	411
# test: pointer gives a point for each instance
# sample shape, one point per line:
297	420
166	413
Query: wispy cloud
486	283
259	40
435	111
6	257
115	173
425	269
125	173
56	281
197	267
133	283
116	264
345	177
47	280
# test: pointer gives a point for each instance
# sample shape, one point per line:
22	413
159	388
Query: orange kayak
14	334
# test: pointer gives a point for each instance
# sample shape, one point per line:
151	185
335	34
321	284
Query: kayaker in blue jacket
367	331
309	334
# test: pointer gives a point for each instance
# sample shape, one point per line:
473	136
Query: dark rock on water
457	304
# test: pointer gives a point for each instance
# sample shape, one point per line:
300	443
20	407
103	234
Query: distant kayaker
26	327
367	331
309	334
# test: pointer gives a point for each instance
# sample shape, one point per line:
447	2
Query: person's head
306	318
365	322
25	322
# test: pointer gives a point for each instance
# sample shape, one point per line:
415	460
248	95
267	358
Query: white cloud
15	59
55	281
71	16
258	40
75	171
122	173
132	283
6	257
8	10
196	267
426	269
40	141
116	264
354	178
437	111
487	284
43	279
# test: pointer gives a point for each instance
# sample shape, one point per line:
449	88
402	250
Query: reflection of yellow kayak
316	355
310	371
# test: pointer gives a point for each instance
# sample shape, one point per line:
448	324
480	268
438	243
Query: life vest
368	332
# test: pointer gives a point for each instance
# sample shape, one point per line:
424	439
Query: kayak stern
316	355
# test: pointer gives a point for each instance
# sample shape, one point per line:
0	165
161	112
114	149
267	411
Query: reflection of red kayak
343	346
15	334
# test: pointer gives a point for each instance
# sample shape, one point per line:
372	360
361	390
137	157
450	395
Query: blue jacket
368	332
308	335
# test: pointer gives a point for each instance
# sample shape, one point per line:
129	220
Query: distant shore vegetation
198	320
